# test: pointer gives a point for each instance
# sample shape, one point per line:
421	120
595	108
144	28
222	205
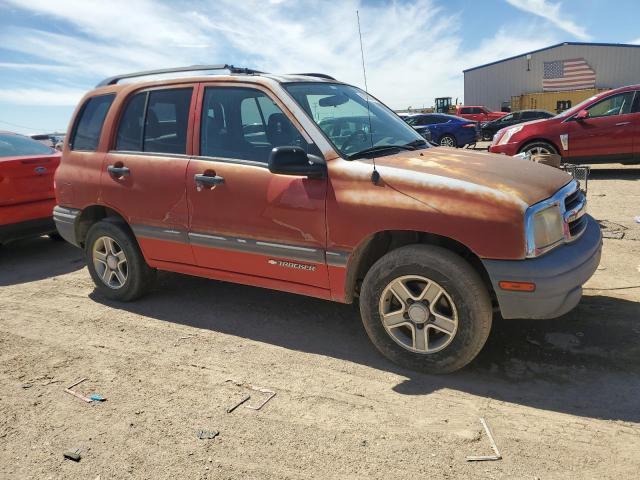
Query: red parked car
478	114
27	196
602	129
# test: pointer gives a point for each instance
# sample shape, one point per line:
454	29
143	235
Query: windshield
19	146
341	113
576	108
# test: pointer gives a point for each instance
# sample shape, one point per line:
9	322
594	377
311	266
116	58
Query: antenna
375	176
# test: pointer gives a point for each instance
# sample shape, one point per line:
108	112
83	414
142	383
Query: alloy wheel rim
446	142
539	151
418	314
110	262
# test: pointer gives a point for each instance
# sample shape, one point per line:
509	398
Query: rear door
143	174
607	135
26	170
636	127
435	124
243	218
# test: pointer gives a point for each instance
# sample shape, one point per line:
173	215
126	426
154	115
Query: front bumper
558	275
507	149
65	220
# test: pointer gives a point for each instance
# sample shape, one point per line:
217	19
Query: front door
243	218
143	174
607	134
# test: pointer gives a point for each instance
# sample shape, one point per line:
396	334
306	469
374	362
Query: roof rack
319	75
192	68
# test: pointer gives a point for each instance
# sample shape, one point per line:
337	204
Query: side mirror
295	161
582	115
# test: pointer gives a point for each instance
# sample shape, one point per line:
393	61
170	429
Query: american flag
568	75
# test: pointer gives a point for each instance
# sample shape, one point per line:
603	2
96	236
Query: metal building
568	66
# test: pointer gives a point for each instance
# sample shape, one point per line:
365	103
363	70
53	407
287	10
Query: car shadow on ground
37	258
614	173
586	363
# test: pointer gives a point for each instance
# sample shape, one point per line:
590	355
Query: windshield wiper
379	148
418	142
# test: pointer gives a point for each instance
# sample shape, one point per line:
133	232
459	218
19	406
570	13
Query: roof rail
193	68
319	75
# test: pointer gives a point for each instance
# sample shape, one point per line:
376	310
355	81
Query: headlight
547	228
548	223
509	133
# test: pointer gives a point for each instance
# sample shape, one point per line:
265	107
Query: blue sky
52	52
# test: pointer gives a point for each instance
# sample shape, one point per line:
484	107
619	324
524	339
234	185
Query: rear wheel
426	309
116	263
448	141
539	148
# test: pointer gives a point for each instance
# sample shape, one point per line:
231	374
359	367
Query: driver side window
245	124
614	105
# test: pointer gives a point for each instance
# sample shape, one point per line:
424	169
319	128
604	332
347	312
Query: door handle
118	171
210	180
620	124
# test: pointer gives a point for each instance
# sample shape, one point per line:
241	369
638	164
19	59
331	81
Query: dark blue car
446	130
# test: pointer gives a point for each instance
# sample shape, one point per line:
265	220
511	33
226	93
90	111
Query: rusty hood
470	173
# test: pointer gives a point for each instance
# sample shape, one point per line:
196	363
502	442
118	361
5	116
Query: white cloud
414	51
44	67
53	96
551	12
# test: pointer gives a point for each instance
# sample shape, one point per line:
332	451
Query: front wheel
539	148
426	308
116	263
448	141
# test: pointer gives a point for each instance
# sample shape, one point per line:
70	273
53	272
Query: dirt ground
561	396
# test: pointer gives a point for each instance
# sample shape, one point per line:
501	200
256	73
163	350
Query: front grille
573	199
575	207
577	226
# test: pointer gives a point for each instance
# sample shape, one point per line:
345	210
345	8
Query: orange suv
235	176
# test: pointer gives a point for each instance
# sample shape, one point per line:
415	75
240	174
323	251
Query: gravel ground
560	395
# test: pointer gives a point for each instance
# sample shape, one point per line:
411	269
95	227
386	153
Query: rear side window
636	102
435	120
155	122
88	127
130	128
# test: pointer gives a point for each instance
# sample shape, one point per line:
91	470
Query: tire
461	285
487	136
448	141
108	240
539	147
